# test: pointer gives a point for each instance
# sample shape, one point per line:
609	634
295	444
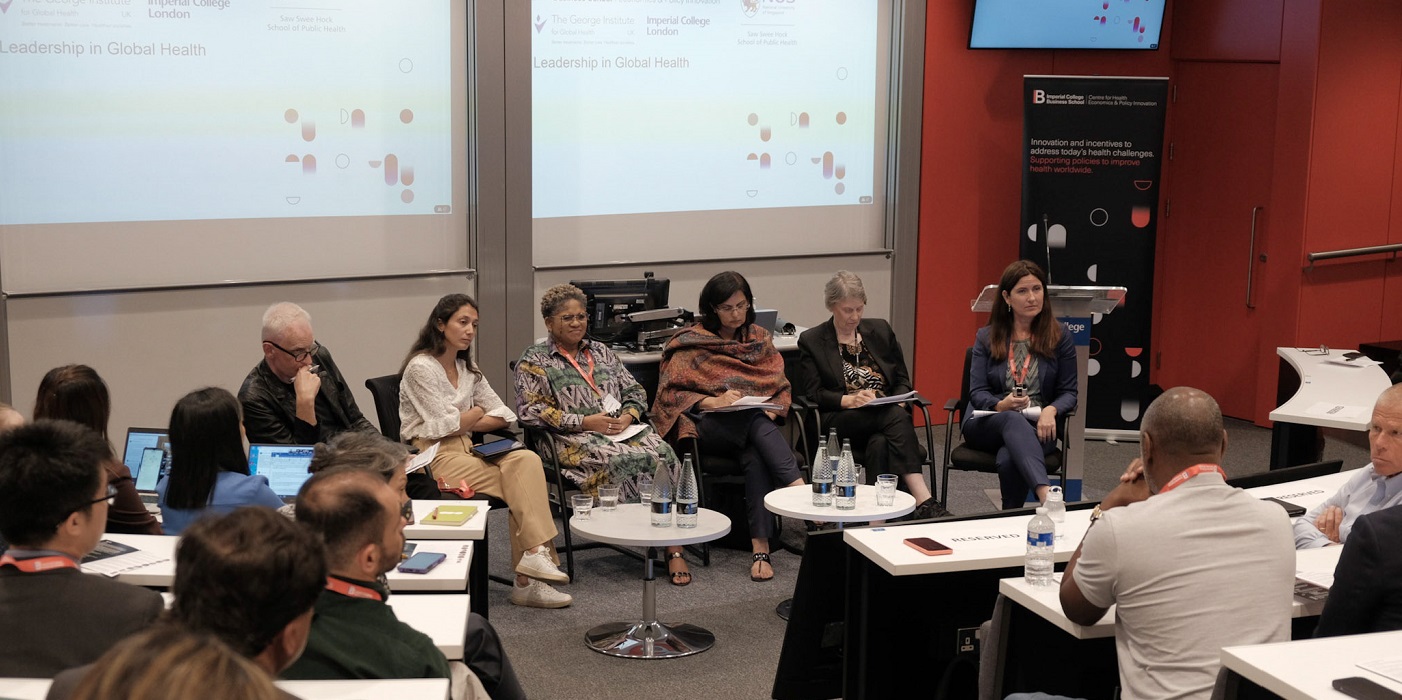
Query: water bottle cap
1041	510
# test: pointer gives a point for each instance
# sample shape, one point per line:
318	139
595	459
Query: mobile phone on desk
1364	689
1291	509
927	546
422	563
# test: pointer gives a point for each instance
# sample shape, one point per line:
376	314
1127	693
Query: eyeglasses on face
110	497
297	355
573	318
742	307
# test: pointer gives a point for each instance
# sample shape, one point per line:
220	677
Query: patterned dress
551	394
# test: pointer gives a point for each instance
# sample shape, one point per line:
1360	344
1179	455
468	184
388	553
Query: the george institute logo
539	24
5	6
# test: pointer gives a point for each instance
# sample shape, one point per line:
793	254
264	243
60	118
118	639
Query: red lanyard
1189	473
1026	365
37	564
348	589
587	377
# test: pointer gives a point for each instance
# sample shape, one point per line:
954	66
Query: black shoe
929	509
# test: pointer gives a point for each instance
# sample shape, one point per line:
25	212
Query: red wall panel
1239	30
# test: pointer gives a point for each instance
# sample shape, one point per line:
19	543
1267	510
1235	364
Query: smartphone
496	447
927	546
1291	509
409	548
1364	689
422	563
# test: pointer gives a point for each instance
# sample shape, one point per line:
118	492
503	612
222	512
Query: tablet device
496	448
1364	689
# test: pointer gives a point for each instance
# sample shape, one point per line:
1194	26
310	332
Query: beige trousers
515	477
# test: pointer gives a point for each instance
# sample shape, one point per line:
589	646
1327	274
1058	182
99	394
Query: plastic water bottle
686	495
1056	505
662	497
845	481
823	473
1041	543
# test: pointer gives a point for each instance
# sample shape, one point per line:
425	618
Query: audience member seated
1022	359
1375	487
846	363
249	579
9	418
54	496
1367	591
1171	548
713	364
208	467
76	393
296	395
168	662
355	634
580	392
444	398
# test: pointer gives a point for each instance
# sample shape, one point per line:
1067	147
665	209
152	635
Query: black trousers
483	653
751	439
883	438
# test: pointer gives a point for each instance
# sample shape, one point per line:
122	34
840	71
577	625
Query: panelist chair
927	460
966	458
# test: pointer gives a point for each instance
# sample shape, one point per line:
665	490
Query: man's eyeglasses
110	497
297	355
742	307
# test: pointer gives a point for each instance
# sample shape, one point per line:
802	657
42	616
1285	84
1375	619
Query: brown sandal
679	578
761	557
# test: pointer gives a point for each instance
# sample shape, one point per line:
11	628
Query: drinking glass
885	489
583	504
608	498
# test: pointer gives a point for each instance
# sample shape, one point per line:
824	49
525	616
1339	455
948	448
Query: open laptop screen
285	466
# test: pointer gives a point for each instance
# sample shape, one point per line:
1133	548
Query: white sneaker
539	594
539	566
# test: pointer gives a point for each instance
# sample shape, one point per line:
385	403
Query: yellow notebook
450	515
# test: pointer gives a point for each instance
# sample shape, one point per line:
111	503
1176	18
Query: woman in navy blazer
1022	359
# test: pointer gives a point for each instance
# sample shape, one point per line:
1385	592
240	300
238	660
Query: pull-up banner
1090	196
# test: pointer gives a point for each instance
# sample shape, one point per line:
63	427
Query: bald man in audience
1171	546
296	394
53	509
1374	488
249	578
355	633
1367	591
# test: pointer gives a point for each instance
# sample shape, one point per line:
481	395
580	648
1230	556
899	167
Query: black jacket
822	380
270	407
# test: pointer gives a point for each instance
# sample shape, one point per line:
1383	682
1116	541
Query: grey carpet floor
547	646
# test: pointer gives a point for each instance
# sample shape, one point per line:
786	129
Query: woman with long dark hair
77	393
711	366
444	399
1022	359
208	467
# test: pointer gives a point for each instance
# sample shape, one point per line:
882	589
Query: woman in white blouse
444	398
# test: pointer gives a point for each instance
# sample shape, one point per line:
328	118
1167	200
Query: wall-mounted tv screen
1067	24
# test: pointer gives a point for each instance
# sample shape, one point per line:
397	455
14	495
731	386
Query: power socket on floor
967	641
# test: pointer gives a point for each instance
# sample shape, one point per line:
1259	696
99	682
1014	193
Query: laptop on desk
285	467
147	456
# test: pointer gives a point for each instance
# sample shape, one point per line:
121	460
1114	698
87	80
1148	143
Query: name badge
611	405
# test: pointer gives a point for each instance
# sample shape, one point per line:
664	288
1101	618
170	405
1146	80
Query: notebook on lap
285	467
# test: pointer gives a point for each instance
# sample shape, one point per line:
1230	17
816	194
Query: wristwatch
1095	514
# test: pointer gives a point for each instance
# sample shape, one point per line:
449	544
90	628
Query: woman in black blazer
1024	346
849	361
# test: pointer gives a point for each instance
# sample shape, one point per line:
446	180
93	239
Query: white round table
630	525
797	502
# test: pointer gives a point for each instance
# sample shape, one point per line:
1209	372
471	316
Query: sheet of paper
1388	668
123	563
628	432
1363	361
422	459
1323	579
890	399
1325	409
610	404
